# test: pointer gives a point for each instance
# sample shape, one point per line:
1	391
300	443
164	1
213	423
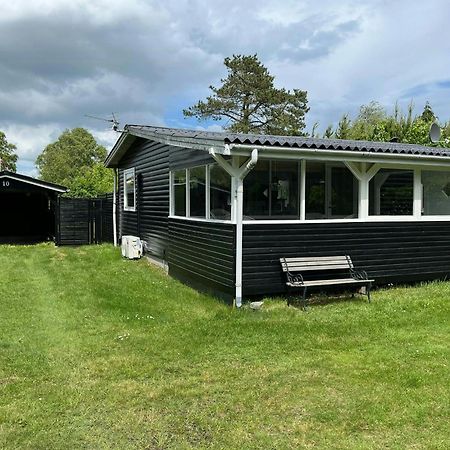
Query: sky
147	60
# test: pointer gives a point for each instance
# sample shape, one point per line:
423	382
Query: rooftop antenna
113	121
435	133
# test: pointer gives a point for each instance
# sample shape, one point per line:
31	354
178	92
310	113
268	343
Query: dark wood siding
182	158
150	220
202	254
388	251
73	221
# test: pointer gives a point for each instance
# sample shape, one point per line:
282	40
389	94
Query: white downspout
239	232
115	208
244	170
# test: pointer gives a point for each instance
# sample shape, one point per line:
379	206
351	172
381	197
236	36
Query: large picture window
331	191
271	191
129	190
436	193
391	193
219	193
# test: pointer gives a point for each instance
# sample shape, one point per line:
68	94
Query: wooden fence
84	221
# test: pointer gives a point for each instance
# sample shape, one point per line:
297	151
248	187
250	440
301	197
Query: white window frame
126	174
207	218
363	174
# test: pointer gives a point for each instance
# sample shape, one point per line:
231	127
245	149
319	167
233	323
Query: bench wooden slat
296	268
330	282
316	259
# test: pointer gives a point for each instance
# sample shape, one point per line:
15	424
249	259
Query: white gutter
238	173
115	208
270	151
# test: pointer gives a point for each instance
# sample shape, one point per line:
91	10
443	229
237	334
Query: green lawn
98	352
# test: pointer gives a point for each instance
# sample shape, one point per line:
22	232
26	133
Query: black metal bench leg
368	291
304	302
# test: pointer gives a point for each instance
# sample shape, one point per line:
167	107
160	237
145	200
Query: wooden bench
305	272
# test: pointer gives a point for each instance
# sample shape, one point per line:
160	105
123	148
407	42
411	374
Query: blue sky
147	60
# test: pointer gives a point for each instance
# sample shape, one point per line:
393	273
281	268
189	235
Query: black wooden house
221	209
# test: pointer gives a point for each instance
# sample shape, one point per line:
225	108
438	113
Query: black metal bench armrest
291	278
358	274
294	279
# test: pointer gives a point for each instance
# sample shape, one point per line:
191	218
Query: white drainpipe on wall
115	208
238	173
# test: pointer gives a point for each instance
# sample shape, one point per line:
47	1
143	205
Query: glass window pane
436	193
391	193
129	200
197	191
331	191
284	189
315	190
257	191
220	193
344	193
179	188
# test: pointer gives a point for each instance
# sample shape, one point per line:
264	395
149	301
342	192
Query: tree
250	103
75	160
8	157
374	124
94	181
428	113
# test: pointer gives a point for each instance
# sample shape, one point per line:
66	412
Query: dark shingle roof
286	141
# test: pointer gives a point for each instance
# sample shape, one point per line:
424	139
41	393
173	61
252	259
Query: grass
97	352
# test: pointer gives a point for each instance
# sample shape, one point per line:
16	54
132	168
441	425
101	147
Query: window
220	193
271	191
331	191
179	192
391	193
284	189
436	193
256	191
129	190
197	191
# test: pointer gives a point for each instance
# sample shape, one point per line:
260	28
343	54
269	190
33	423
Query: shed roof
207	139
32	181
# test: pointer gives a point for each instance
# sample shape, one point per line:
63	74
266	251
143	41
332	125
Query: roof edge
34	181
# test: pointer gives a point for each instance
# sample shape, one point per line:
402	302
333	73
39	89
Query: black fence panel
84	221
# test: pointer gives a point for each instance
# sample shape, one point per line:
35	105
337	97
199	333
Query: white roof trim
35	183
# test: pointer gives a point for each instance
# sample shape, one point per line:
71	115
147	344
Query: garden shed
221	209
28	208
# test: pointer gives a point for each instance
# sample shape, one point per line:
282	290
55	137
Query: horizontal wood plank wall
389	251
149	221
202	254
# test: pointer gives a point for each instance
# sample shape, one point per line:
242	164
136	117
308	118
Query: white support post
302	189
207	183
364	175
188	193
234	177
171	195
238	173
115	208
418	193
363	199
